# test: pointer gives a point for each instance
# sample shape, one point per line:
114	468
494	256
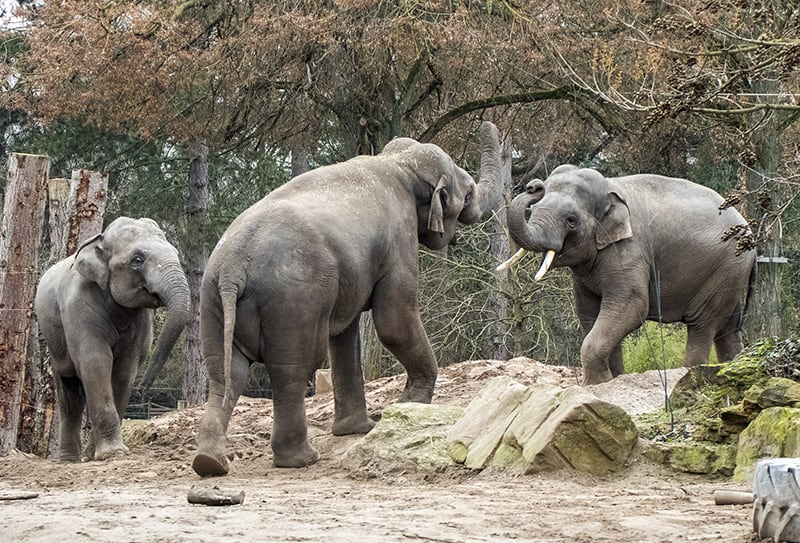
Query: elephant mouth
547	261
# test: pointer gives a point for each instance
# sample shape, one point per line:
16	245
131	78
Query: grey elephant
290	277
95	312
639	247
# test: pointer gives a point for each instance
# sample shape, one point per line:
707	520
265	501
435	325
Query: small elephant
290	277
639	247
95	312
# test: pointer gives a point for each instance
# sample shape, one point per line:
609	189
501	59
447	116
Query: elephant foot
595	378
68	457
108	451
360	424
209	465
304	458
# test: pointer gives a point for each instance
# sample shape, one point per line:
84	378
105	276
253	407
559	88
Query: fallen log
7	496
733	497
215	496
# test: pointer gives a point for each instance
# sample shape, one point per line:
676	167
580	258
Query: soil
142	497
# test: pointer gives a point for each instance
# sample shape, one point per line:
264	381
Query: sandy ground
143	497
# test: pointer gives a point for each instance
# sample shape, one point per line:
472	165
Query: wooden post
38	413
20	242
89	191
76	209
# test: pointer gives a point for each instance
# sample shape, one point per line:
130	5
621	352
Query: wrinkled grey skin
95	312
290	277
639	247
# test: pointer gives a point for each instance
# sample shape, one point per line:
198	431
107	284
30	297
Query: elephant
95	311
289	278
640	247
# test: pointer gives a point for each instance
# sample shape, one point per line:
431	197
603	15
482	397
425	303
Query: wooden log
733	497
89	193
9	496
215	496
20	241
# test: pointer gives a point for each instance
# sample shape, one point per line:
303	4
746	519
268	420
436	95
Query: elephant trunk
529	236
488	195
173	289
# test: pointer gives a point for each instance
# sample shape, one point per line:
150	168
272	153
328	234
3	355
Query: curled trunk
529	237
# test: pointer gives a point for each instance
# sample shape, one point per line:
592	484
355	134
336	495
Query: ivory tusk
546	263
511	261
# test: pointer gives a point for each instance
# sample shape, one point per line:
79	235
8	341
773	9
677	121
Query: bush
655	346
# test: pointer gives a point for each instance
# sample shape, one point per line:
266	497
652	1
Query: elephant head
573	215
133	262
445	193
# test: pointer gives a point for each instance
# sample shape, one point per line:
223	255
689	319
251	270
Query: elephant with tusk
639	247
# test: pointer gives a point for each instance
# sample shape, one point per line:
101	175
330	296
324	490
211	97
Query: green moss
775	432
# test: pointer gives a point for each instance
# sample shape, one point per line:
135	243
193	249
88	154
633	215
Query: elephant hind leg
71	403
351	415
211	459
698	345
728	341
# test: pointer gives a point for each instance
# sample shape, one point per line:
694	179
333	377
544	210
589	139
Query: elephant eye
572	222
468	197
137	261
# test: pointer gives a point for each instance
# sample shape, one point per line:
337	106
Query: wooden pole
20	241
89	192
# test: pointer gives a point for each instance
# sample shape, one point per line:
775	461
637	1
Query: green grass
655	346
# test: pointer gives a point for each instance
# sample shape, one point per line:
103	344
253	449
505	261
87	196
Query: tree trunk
88	192
76	209
20	241
764	318
500	248
195	377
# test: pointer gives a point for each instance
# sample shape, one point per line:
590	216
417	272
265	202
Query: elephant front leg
399	327
601	351
350	404
97	383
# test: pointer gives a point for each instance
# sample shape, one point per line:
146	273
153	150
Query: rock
541	427
779	392
775	432
322	381
693	457
408	435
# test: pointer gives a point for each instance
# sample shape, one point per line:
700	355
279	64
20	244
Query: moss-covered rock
542	427
693	457
775	432
778	392
408	435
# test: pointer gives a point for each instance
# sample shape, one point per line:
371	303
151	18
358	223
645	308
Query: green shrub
655	346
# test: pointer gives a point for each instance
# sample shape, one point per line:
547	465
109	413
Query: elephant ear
91	261
615	224
438	203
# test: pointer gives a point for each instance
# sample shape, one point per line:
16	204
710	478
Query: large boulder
408	436
542	427
775	432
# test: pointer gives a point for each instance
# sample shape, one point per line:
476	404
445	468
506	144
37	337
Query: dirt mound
142	496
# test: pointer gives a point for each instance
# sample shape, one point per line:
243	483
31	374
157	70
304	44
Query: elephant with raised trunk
290	277
95	312
639	247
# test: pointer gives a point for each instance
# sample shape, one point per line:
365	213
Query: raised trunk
490	187
174	291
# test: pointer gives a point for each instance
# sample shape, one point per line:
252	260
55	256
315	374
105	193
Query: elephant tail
229	294
751	285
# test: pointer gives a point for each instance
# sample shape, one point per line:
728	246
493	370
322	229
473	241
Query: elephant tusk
511	261
548	260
